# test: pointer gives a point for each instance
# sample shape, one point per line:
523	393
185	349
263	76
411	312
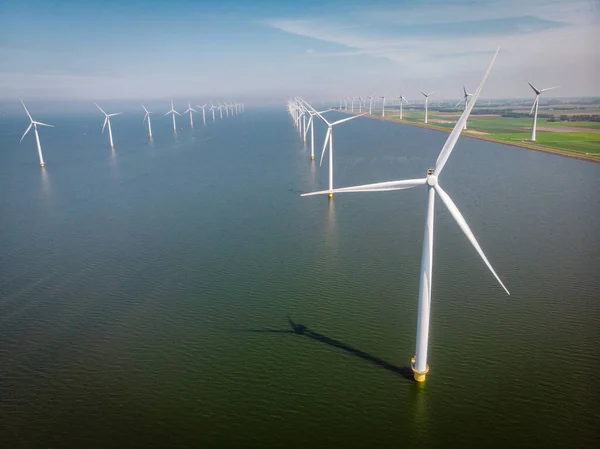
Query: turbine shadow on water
302	330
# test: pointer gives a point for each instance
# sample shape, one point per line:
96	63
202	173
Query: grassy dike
591	157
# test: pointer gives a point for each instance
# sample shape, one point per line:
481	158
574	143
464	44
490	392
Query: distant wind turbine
383	104
419	362
107	120
466	101
329	138
402	99
190	110
203	113
212	109
370	97
173	112
147	117
535	105
33	123
311	126
426	98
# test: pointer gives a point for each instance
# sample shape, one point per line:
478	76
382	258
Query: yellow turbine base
330	195
312	158
419	376
43	164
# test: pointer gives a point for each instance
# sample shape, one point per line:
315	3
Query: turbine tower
419	364
147	116
466	100
190	110
173	112
370	97
535	104
383	106
33	123
107	120
426	98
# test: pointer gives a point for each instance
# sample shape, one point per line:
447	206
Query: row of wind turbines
299	109
230	109
401	99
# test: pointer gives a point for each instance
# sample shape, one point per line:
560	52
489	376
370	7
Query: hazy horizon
267	51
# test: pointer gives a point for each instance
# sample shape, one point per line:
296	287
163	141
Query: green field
578	137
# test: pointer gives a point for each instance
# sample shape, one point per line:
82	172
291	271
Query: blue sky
269	50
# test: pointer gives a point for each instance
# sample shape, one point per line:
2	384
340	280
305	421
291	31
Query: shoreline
592	157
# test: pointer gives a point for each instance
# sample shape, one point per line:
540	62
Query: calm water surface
180	293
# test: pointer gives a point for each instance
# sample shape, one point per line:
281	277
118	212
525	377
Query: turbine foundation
312	158
43	164
330	195
419	376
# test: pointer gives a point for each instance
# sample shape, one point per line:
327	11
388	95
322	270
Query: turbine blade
116	113
101	110
378	187
537	92
43	124
146	110
424	94
26	131
168	113
460	124
145	117
327	136
537	97
28	114
176	112
465	228
548	88
105	120
457	104
346	119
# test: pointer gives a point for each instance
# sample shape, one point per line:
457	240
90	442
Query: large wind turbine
190	110
311	126
419	362
107	120
402	99
370	97
466	100
33	123
383	106
426	98
329	138
535	104
203	112
173	112
147	116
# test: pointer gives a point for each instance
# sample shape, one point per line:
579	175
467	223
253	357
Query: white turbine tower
190	110
466	100
220	109
329	138
535	105
402	99
426	98
419	362
370	97
173	112
203	113
383	106
147	117
33	123
107	120
360	101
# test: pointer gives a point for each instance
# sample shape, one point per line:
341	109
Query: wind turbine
220	110
147	116
402	99
212	108
329	138
419	364
107	120
426	98
203	113
311	125
466	100
535	105
370	97
360	100
190	110
173	112
33	123
383	104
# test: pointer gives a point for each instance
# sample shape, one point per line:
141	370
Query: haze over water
181	293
